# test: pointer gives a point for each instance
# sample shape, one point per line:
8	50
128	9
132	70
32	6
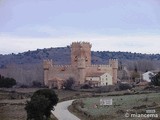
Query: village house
146	76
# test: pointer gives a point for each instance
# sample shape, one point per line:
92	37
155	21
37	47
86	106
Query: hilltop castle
81	69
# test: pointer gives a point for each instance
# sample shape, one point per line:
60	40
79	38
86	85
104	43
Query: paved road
61	111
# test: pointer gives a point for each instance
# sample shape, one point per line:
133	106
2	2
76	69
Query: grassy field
138	103
12	103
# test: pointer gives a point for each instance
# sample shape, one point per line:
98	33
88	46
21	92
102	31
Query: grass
12	108
12	101
137	103
12	112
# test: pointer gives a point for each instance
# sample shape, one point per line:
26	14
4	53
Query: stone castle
80	69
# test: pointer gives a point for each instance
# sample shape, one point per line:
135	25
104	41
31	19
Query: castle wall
66	71
99	68
62	71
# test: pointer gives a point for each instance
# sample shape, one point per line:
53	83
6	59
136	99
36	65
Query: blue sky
114	25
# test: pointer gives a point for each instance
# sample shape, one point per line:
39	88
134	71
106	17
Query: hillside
61	55
27	67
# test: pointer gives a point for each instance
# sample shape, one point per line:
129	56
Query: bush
7	82
41	104
24	86
68	84
107	88
155	80
125	86
36	84
86	86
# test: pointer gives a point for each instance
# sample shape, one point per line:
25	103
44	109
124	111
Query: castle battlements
113	63
84	44
62	66
47	64
95	65
47	60
81	42
79	68
116	60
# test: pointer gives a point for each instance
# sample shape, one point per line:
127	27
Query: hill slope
27	67
61	55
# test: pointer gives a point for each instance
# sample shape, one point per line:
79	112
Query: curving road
61	111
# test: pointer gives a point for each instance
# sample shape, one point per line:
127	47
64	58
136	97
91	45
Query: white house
100	79
146	76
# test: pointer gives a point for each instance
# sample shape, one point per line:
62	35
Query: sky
109	25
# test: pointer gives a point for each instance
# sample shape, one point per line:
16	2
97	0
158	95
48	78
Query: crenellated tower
81	70
114	64
80	50
80	58
46	66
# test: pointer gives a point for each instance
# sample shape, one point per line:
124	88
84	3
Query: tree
36	84
135	74
36	107
69	83
41	104
7	82
155	80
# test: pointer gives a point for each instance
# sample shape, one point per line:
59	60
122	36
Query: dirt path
61	111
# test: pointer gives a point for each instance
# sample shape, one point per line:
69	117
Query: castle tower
114	64
80	50
46	65
81	70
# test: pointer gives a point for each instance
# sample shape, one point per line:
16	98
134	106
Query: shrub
107	88
155	80
36	84
125	86
86	86
7	82
41	104
68	84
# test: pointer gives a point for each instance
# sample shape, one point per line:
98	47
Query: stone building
80	69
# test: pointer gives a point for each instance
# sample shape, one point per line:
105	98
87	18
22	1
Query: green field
138	103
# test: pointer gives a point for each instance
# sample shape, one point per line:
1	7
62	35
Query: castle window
63	69
86	59
75	58
98	68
